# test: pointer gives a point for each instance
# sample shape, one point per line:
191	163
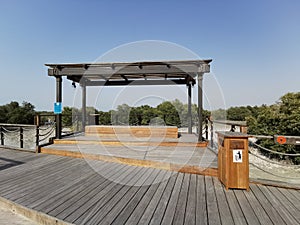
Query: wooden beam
107	71
136	82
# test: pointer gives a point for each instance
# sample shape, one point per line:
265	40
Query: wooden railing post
21	138
206	128
37	133
2	135
211	134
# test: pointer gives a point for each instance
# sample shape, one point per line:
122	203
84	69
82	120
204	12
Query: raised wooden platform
175	166
133	131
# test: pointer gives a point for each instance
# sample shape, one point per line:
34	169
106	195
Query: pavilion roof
135	73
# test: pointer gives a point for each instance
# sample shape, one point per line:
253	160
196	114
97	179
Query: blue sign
57	108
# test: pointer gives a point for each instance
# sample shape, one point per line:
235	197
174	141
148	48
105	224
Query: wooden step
130	143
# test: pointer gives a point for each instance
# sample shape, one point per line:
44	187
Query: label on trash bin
237	155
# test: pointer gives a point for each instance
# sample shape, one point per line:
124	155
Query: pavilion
186	72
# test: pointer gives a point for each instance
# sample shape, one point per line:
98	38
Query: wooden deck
95	192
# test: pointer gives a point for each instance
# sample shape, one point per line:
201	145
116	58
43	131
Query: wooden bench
135	131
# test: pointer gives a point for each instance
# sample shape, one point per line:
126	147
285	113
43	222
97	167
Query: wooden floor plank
41	182
286	203
201	210
136	207
75	199
296	193
44	188
64	193
124	215
182	200
259	211
148	213
31	168
213	215
15	192
61	191
236	211
224	210
281	211
190	212
162	204
149	176
171	207
248	212
67	194
288	194
268	207
86	206
82	200
122	195
93	205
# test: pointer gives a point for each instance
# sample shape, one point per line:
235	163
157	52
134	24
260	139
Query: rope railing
14	133
272	151
11	131
50	130
273	174
46	136
273	162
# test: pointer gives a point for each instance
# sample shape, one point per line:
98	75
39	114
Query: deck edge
35	216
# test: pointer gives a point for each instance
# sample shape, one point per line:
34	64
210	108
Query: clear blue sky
255	45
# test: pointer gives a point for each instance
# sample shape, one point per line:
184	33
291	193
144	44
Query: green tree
282	118
135	116
104	118
169	114
121	115
148	114
219	114
17	114
67	116
238	113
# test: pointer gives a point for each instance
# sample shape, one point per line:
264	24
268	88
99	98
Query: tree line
281	118
169	113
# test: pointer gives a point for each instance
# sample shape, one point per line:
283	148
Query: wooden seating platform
181	154
132	131
82	191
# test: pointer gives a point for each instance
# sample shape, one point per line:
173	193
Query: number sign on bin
237	155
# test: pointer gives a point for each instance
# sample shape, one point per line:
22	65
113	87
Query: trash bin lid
231	134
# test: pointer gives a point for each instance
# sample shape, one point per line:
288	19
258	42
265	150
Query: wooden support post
58	99
83	86
200	106
189	116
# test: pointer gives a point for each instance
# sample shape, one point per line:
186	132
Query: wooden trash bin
233	160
